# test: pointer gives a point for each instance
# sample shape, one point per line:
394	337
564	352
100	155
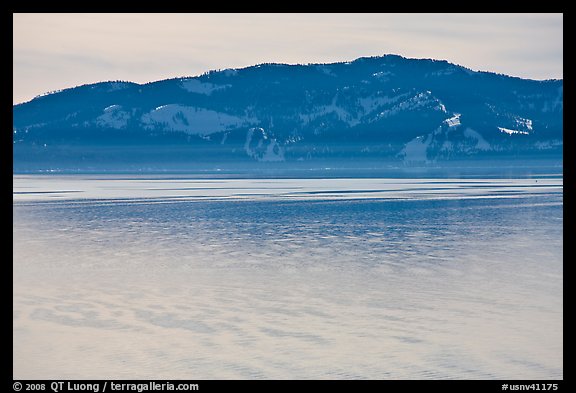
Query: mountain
386	109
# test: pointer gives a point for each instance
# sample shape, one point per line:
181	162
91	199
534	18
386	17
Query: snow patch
192	120
547	145
511	132
112	108
259	146
371	103
224	139
447	146
525	123
273	152
382	75
454	121
196	86
418	101
416	149
557	104
113	117
322	110
481	143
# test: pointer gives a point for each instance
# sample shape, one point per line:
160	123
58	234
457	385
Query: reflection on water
361	278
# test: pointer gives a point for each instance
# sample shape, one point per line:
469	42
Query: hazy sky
55	51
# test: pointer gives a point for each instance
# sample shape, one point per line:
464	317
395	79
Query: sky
56	51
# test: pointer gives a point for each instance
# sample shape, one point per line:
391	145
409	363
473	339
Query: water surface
160	277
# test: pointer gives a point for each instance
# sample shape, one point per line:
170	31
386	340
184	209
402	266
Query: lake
183	277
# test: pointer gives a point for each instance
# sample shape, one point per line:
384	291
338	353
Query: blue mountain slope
384	109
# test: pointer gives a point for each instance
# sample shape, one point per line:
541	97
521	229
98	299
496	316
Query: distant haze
56	51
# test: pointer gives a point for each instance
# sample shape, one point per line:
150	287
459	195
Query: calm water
158	277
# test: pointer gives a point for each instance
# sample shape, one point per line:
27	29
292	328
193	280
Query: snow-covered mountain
385	109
